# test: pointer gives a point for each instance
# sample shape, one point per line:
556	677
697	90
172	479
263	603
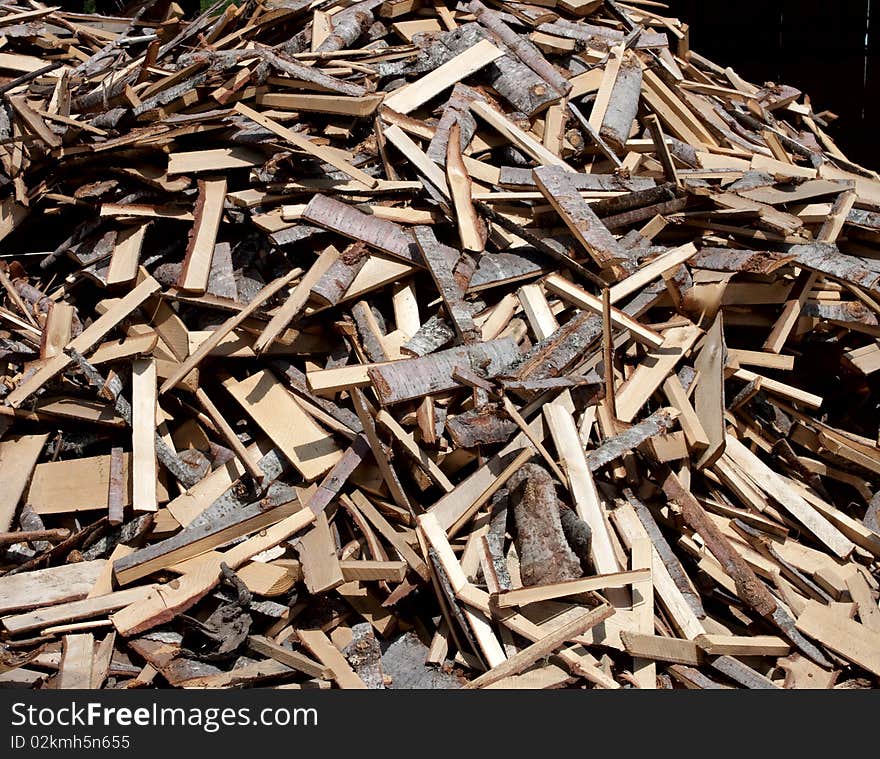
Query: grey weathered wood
623	104
343	219
521	46
598	241
43	587
826	258
334	282
519	178
452	273
619	445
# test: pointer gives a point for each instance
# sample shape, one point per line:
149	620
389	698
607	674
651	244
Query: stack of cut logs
408	343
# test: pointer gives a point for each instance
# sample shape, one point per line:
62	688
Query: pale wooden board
652	372
43	587
58	487
126	254
74	611
18	457
75	672
317	554
773	485
200	253
308	446
412	95
143	417
324	651
585	496
853	641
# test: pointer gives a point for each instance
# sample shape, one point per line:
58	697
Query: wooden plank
293	659
853	641
668	591
73	485
73	611
579	297
325	652
773	485
535	593
86	339
589	230
651	373
143	423
470	226
297	299
656	648
44	587
689	421
216	159
517	136
411	96
709	394
644	670
860	592
542	647
582	487
75	672
651	271
742	645
200	250
369	570
317	555
198	540
278	413
126	254
338	105
18	457
811	400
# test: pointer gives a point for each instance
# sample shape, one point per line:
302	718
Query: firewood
524	326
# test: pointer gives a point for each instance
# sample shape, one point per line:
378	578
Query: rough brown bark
483	426
749	588
544	554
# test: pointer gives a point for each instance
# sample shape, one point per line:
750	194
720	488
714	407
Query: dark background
818	46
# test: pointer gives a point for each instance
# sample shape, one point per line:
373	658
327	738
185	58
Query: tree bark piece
602	246
336	280
383	235
414	378
452	273
749	588
623	103
527	52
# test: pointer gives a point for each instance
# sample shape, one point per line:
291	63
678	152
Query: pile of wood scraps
426	344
